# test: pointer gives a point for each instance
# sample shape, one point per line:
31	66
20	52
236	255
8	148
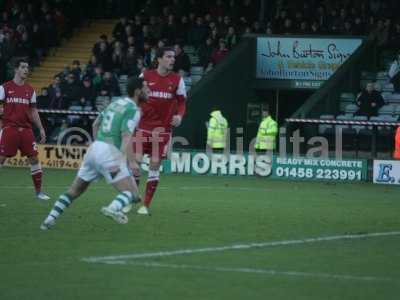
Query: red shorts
153	143
13	139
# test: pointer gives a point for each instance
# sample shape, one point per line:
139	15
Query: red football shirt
17	100
166	99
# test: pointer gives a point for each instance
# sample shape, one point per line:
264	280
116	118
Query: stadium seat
115	98
102	102
351	108
348	134
123	78
368	75
88	108
197	71
322	128
189	49
397	111
122	88
195	78
187	80
327	130
73	119
388	87
384	139
359	127
387	109
382	75
392	98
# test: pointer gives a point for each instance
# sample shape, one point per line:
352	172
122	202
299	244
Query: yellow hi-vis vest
266	135
217	130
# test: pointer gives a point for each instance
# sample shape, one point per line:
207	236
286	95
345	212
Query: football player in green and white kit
108	156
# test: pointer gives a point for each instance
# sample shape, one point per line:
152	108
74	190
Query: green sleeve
130	121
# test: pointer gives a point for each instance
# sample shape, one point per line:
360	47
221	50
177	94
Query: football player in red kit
163	110
18	113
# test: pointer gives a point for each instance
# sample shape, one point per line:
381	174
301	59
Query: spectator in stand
109	86
220	52
104	57
381	34
70	90
148	54
92	64
131	42
145	35
394	73
38	43
303	29
215	36
23	47
182	61
170	28
64	73
226	23
139	67
231	38
58	102
76	69
97	78
288	27
50	31
119	29
198	33
118	59
315	29
257	28
87	93
358	27
43	100
369	101
130	61
205	52
54	87
182	32
347	28
156	26
96	48
394	37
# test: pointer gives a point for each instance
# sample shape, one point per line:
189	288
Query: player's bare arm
181	107
95	126
36	121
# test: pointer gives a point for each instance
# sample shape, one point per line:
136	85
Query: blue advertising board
289	58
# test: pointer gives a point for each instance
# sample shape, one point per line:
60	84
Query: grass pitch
196	213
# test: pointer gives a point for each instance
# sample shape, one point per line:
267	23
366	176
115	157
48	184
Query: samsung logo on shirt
17	100
162	95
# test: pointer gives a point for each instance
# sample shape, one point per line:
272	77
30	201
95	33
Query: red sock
151	186
36	172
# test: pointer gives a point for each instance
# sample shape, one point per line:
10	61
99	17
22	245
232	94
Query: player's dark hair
161	51
133	84
20	61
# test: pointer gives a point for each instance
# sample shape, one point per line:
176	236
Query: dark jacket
369	103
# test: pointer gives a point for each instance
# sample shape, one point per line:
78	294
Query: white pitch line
252	271
239	246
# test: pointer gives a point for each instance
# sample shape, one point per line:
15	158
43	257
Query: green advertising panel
319	169
199	163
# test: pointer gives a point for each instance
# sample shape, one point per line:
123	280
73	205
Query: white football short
103	159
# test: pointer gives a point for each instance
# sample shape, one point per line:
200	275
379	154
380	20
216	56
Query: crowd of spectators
211	28
31	29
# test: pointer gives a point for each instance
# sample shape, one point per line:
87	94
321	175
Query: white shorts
105	160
